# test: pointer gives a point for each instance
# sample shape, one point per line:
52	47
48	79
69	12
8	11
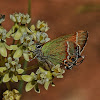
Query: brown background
83	82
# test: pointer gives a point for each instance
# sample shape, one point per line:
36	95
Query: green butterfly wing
57	50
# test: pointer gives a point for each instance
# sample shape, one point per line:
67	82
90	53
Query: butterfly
65	50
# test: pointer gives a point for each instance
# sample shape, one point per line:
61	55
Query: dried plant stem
21	83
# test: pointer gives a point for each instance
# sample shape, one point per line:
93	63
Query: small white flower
27	39
42	26
13	69
44	77
57	71
42	37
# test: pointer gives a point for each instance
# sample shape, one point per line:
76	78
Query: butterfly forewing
55	50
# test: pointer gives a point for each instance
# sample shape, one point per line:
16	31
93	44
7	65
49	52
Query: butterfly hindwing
81	39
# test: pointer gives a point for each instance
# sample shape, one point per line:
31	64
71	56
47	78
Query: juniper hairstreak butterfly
65	50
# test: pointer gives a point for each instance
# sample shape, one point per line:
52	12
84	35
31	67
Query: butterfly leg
33	58
79	62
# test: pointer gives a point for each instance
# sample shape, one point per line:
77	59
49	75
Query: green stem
29	10
21	84
29	7
13	42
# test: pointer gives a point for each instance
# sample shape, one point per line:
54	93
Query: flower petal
32	27
36	88
2	69
7	46
27	78
13	47
18	53
26	56
46	85
41	69
29	86
9	59
6	78
3	51
17	35
60	76
32	73
20	71
12	30
14	78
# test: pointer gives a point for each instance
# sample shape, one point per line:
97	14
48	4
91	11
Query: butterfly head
38	53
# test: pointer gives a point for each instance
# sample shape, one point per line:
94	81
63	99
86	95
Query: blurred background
65	17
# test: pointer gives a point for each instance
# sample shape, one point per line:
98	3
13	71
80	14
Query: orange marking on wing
66	50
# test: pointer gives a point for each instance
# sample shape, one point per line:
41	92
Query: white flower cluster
42	26
27	40
11	70
13	65
20	18
11	95
39	31
57	71
43	77
42	37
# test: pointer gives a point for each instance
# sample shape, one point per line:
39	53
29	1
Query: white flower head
11	95
57	71
43	76
42	26
27	39
13	64
14	68
20	18
42	37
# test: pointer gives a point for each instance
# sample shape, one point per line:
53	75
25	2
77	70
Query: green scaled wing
59	49
56	49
